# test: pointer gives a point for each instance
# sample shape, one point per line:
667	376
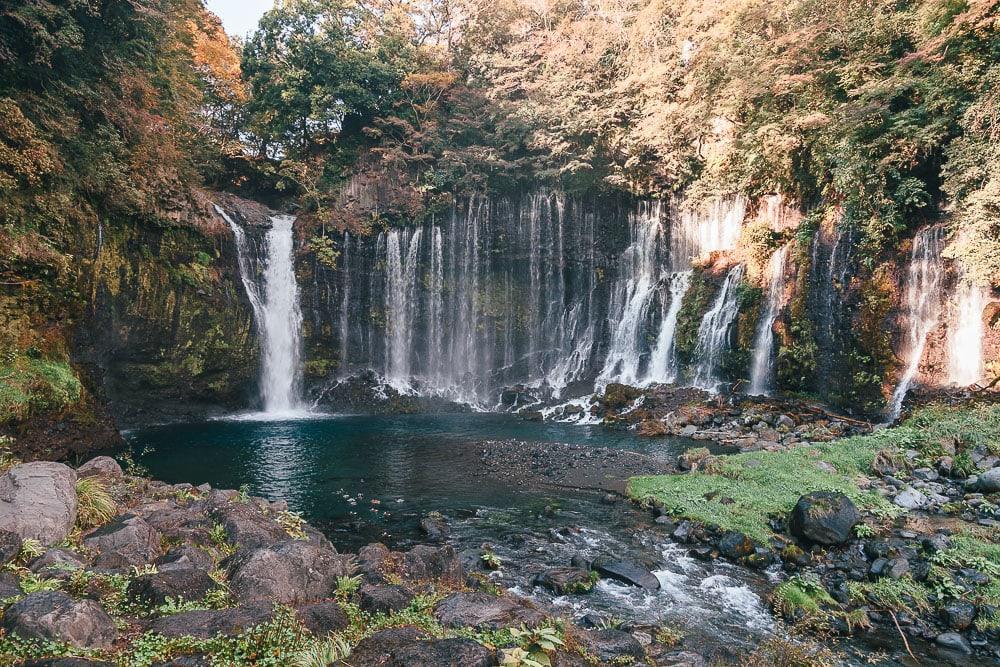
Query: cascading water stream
663	363
762	367
277	315
401	304
965	344
713	332
633	294
923	307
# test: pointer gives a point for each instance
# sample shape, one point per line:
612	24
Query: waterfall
400	304
663	364
345	322
698	231
713	332
965	344
517	291
631	298
923	307
275	304
762	368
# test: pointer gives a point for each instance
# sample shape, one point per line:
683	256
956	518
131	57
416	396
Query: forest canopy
887	110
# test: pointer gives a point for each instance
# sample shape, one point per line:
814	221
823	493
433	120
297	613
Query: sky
239	16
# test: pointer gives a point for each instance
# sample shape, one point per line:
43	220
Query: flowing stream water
762	365
923	307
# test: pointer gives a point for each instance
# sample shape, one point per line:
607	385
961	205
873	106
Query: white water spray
762	368
965	344
923	307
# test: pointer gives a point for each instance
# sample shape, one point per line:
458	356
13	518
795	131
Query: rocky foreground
110	568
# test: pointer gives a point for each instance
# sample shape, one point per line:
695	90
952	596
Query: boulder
125	542
627	572
958	614
409	647
565	580
56	564
989	481
184	557
735	545
435	527
55	616
323	618
823	517
954	642
910	499
154	589
485	611
246	525
384	599
38	501
613	646
289	572
205	624
104	467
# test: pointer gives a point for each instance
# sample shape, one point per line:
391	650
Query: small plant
323	653
32	583
243	494
95	506
348	586
143	570
7	457
293	523
610	623
669	635
801	597
220	539
533	647
891	594
490	561
864	531
30	550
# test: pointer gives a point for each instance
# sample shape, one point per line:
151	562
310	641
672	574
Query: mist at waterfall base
332	469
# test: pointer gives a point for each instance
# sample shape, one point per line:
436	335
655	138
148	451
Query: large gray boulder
289	572
104	467
125	542
824	517
205	624
410	647
154	589
55	616
485	611
38	501
989	481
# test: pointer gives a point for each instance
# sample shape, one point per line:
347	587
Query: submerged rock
38	501
824	517
565	580
55	616
627	572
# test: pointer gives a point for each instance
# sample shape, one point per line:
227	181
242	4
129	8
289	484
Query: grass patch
804	595
894	595
744	491
30	385
95	506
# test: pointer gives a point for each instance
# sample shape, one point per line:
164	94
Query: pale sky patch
239	17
